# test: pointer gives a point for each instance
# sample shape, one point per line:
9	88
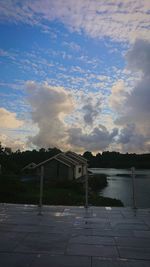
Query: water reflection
120	186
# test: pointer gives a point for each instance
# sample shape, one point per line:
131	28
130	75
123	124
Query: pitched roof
50	159
76	157
29	166
69	159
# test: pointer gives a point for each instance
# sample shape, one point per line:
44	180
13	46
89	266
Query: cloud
91	108
131	140
136	106
98	139
13	143
132	106
118	95
9	119
50	105
54	110
117	19
138	57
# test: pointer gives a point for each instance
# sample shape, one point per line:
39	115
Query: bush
10	186
97	182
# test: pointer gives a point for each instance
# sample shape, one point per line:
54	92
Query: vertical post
133	186
86	188
41	190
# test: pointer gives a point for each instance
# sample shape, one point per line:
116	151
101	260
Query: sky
75	74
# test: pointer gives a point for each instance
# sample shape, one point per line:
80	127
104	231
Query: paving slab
134	253
114	232
93	240
132	242
145	234
16	260
74	236
98	262
92	250
61	261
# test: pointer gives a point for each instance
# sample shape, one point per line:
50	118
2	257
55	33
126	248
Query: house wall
78	171
56	170
84	169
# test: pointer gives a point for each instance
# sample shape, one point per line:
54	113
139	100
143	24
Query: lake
120	187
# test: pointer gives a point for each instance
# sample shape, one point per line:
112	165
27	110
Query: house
63	166
28	168
82	163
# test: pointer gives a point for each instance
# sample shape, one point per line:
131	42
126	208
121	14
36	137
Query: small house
63	166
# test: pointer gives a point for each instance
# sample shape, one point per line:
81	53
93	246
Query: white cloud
50	105
9	119
67	119
120	20
118	95
13	143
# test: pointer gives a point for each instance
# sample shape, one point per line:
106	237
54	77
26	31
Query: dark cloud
91	109
98	139
136	110
131	140
138	57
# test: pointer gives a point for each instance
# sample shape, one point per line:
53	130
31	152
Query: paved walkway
71	237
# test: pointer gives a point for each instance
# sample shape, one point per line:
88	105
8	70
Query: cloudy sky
75	74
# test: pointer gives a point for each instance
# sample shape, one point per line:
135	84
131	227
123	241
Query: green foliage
10	187
96	200
97	181
13	190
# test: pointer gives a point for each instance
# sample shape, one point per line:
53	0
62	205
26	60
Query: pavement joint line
117	247
91	261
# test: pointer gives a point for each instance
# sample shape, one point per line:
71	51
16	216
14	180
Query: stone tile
92	250
33	229
130	226
114	232
7	227
9	241
134	253
16	260
52	248
92	240
132	242
61	261
99	262
74	235
52	243
81	231
145	234
89	225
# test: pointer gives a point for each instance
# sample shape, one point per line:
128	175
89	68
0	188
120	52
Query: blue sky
73	76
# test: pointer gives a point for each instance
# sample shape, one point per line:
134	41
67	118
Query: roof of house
76	157
69	159
29	166
50	159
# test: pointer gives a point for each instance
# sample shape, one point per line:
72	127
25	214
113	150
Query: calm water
120	187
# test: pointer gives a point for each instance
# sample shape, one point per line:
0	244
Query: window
79	170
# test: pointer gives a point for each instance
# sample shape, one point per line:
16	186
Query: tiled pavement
73	237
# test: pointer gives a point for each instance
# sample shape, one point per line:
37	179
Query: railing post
133	186
41	190
86	188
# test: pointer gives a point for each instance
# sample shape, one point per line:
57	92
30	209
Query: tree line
13	162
